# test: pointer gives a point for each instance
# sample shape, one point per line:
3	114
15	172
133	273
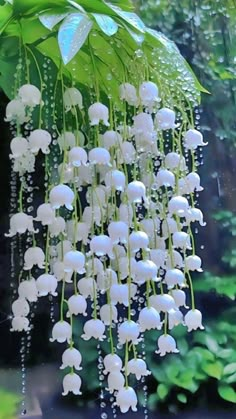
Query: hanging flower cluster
118	219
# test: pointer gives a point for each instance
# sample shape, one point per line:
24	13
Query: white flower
98	112
71	383
74	261
136	191
149	95
61	332
151	226
92	215
163	302
87	287
181	240
46	284
108	314
119	293
25	163
178	205
138	367
61	195
193	139
166	344
174	277
99	155
71	98
128	331
77	156
45	214
106	279
193	182
101	245
59	272
77	304
39	139
57	227
28	290
115	179
169	226
138	240
193	263
126	267
15	112
94	267
96	196
143	123
193	320
111	139
29	95
175	317
174	260
118	232
20	223
77	231
126	213
94	328
127	153
72	358
62	248
20	308
165	177
126	398
19	324
158	256
129	94
19	146
115	381
34	256
112	363
175	161
145	270
179	297
66	172
165	119
149	319
66	140
195	214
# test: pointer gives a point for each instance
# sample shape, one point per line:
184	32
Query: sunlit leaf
49	21
131	18
227	393
106	24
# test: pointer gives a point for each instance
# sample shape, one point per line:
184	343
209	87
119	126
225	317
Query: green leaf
230	369
182	398
227	393
129	17
162	391
30	7
214	370
72	35
106	24
5	16
49	21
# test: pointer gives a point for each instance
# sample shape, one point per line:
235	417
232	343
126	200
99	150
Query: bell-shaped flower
112	363
115	381
178	205
193	215
92	215
94	267
129	94
174	260
106	279
119	293
99	155
193	320
175	317
59	272
179	297
181	240
151	226
136	191
62	248
163	302
15	112
174	161
126	214
72	358
34	256
78	156
19	146
166	178
115	179
72	98
108	314
66	140
87	287
158	256
94	328
61	195
118	232
77	231
111	139
143	123
193	139
46	284
74	261
149	319
193	263
138	367
169	226
61	332
19	324
174	277
193	182
77	304
28	290
145	270
98	112
39	139
20	223
57	227
45	214
128	331
149	94
166	344
138	240
165	119
71	383
127	267
127	153
96	196
20	308
127	399
66	172
29	95
101	245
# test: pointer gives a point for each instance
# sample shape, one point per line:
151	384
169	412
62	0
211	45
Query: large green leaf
227	393
106	24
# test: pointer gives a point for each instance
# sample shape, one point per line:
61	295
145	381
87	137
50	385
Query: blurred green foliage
8	405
